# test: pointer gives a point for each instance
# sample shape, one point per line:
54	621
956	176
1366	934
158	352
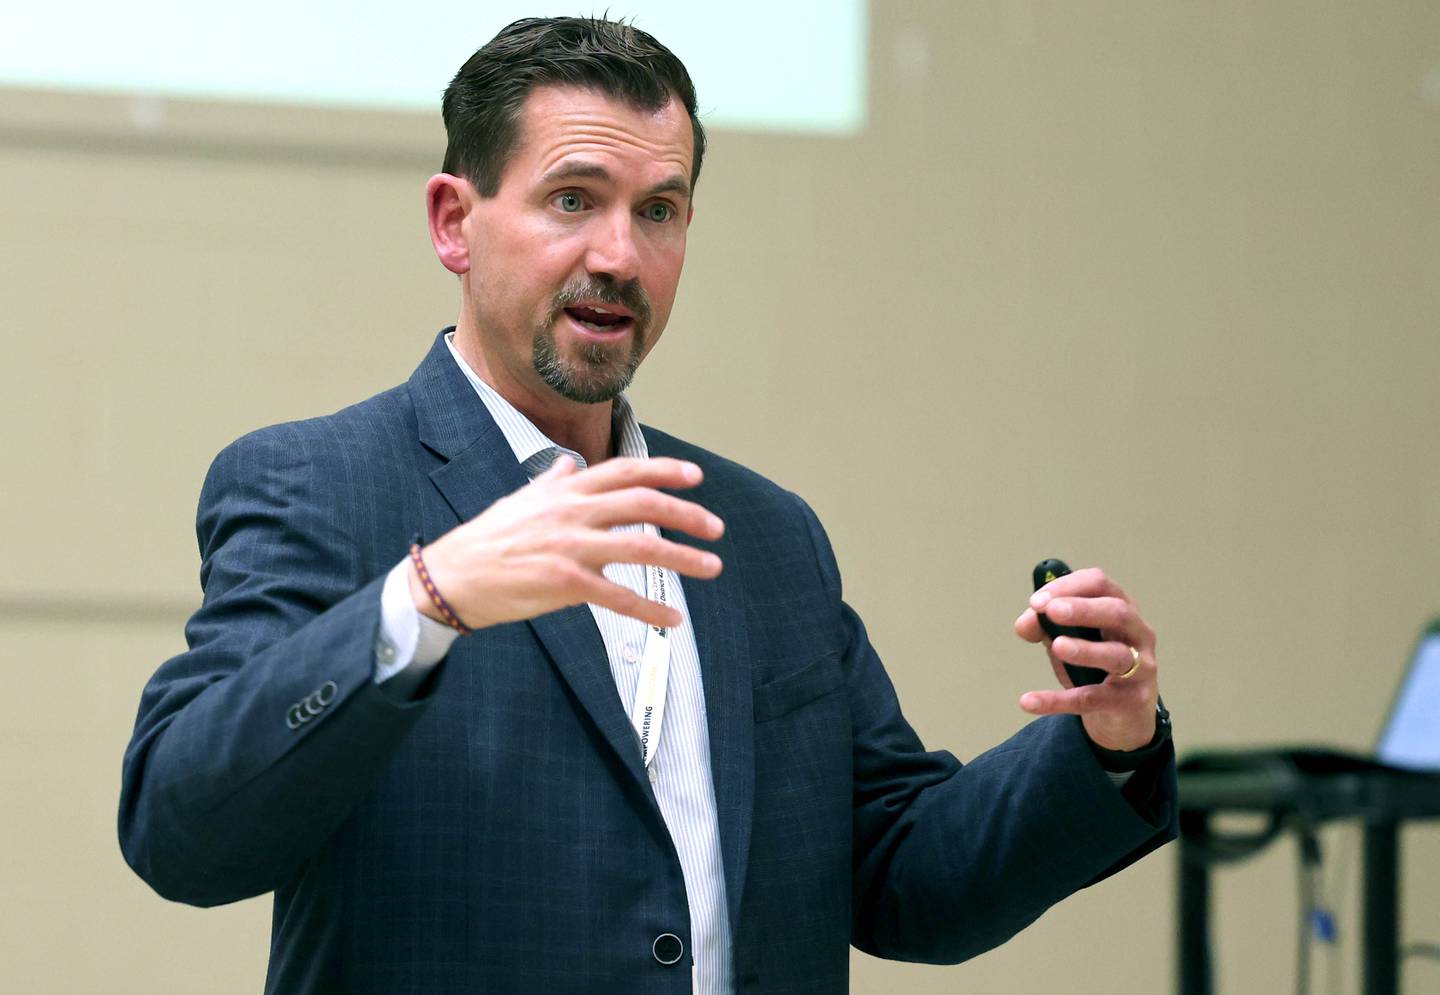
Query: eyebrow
580	170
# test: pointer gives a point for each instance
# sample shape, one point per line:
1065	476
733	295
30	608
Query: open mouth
601	319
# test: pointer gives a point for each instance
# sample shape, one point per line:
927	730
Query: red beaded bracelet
436	598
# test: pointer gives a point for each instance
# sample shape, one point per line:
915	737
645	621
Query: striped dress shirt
411	643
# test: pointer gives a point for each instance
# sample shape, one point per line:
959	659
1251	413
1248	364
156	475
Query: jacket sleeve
951	859
252	747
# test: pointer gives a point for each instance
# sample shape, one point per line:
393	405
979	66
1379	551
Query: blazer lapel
480	469
717	611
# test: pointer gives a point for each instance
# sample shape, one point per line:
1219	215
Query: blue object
1322	921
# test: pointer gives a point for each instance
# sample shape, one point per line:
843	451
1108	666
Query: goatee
598	372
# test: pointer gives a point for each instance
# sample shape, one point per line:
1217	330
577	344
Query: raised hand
545	546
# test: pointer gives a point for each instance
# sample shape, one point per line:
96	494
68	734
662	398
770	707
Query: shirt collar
534	450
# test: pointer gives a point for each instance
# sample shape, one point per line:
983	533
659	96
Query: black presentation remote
1045	572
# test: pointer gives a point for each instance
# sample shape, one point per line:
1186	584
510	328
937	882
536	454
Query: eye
570	202
659	212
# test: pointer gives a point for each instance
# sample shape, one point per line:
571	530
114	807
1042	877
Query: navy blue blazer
497	833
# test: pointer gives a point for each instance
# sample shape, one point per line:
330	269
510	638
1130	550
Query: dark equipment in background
1298	789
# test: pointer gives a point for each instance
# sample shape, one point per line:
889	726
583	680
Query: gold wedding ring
1134	666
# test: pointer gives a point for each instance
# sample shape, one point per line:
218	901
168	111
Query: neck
590	436
583	428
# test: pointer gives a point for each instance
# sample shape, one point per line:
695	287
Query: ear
448	200
689	213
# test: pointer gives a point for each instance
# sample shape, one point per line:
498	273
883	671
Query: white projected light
1412	736
797	66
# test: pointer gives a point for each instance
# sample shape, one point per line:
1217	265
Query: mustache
605	290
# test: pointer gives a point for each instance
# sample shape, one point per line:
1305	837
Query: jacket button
667	948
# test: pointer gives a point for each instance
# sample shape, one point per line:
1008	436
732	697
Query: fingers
1115	616
1088	583
563	466
625	491
635	505
1088	699
1068	591
638	547
1027	627
1071	701
545	546
1085	598
623	601
624	471
1116	715
1111	657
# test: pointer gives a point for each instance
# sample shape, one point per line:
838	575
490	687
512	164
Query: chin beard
595	375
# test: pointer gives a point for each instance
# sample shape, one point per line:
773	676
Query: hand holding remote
1102	651
1046	571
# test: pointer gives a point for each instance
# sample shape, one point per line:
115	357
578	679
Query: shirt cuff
408	641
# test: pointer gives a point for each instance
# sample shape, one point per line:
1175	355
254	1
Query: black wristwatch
1122	761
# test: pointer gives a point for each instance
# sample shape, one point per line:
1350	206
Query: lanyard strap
648	713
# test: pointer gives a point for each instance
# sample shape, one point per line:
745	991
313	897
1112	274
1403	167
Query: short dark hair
483	102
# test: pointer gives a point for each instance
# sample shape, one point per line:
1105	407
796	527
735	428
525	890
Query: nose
612	248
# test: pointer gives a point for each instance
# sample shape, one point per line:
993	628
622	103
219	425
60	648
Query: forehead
563	123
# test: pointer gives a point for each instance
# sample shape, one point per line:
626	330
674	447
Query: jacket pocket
785	694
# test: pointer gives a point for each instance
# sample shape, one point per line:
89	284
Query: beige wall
1148	285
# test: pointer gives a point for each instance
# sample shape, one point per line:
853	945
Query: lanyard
648	712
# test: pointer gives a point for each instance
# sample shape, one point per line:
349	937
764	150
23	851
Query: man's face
575	260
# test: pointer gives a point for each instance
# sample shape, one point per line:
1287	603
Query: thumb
563	466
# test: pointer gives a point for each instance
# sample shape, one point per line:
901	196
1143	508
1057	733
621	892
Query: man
419	746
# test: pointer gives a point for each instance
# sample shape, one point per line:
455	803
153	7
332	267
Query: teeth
601	310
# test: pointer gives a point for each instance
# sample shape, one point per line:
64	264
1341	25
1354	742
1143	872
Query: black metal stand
1276	784
1194	907
1382	906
